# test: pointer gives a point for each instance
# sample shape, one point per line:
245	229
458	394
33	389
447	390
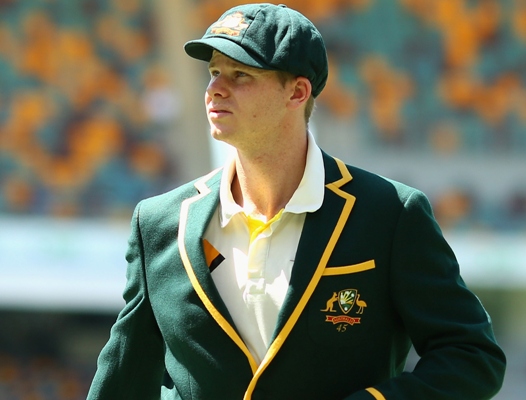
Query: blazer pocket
349	269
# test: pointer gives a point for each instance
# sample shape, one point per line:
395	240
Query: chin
218	134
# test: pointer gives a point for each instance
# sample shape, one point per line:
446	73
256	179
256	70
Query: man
288	274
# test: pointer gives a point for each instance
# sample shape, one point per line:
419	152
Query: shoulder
373	190
169	203
385	202
367	182
386	199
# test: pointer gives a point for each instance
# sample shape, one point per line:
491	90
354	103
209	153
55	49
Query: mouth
217	112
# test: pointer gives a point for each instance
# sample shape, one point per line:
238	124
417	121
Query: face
245	105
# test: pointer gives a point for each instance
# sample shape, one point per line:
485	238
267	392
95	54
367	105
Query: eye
213	72
241	74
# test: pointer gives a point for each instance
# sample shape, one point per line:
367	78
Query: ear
302	90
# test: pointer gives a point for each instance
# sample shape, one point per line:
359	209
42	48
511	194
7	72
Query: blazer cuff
375	393
369	393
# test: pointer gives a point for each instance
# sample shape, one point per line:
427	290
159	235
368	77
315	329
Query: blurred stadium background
100	107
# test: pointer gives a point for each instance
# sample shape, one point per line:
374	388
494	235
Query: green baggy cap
269	37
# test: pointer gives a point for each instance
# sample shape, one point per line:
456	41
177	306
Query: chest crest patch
346	300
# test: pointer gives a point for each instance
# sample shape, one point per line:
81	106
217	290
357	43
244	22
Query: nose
217	87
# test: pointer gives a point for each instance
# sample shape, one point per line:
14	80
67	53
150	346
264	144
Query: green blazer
372	275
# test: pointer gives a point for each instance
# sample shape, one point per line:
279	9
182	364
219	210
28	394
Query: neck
263	185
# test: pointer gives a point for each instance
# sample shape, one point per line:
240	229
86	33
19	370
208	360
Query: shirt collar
308	197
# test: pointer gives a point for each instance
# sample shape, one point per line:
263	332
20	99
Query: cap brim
202	49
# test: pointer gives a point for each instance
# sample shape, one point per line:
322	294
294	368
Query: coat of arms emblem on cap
231	25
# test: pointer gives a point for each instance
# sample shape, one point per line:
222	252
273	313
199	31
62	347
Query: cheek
264	109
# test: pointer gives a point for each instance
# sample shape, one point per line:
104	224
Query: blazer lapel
320	233
318	239
196	213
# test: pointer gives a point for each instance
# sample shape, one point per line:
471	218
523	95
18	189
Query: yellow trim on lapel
282	336
346	177
349	269
220	319
376	394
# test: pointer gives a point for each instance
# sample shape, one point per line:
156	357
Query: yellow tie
256	226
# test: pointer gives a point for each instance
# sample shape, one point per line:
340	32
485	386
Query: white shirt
253	278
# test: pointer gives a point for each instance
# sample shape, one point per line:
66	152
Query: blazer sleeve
448	326
131	364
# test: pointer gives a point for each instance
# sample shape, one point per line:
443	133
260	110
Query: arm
448	326
131	364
